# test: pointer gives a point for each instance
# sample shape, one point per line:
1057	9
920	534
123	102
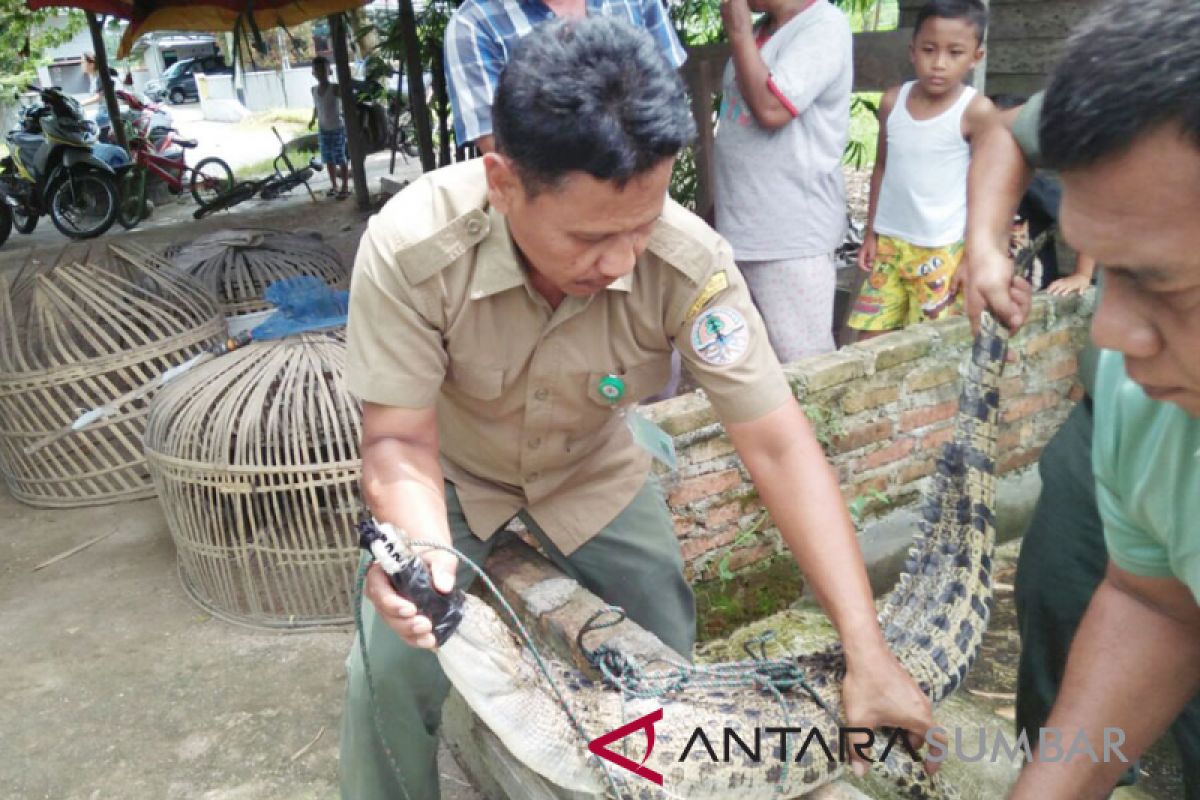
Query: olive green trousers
1063	559
633	562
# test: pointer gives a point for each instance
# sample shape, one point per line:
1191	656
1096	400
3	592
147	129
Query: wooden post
416	84
354	142
106	84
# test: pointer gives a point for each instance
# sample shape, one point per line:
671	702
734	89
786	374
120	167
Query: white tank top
923	199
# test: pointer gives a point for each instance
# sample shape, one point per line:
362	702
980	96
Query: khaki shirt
442	312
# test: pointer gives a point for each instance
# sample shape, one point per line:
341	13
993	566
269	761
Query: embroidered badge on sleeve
720	336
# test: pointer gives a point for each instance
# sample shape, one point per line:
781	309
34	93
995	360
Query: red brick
886	455
862	434
877	483
929	377
740	558
862	399
1019	459
698	545
1022	407
722	515
915	470
1045	341
710	483
1012	386
1012	437
922	417
933	441
1062	369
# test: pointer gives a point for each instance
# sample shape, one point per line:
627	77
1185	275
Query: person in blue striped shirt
481	34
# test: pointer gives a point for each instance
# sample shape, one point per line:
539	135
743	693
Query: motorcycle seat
188	143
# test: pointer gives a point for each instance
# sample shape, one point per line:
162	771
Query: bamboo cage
77	336
255	456
238	265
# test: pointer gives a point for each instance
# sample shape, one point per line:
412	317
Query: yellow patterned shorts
909	284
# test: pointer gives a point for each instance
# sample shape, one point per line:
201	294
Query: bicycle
209	179
267	188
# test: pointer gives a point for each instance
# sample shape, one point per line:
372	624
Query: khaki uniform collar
500	267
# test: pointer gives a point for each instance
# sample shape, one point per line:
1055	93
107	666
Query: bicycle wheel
211	178
132	205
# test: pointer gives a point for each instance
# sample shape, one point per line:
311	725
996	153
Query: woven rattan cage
78	336
255	456
238	265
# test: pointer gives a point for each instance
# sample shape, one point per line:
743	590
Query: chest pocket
640	381
477	381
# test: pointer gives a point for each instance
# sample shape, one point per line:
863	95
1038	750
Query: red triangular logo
599	746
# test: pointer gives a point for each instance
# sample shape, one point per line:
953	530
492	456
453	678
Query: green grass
278	116
889	17
864	131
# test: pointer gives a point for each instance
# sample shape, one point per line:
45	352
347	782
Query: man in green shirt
1121	120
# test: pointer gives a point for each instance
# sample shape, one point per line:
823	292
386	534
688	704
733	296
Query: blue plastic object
304	303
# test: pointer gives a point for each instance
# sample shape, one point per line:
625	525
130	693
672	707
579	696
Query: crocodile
933	619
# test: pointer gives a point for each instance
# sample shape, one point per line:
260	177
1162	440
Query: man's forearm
403	484
998	177
1131	667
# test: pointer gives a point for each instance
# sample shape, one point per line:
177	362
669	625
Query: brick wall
883	409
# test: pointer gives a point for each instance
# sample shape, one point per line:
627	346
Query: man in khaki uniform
506	314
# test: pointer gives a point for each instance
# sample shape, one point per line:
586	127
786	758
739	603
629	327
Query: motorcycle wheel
24	223
83	205
6	221
211	178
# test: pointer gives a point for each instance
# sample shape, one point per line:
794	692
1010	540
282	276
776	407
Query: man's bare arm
402	484
800	490
998	176
1133	665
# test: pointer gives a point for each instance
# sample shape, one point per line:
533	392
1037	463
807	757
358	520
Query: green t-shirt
1025	129
1146	456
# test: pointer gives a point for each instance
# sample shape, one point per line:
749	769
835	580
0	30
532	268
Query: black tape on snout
413	582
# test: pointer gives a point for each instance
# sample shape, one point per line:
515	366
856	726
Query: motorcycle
52	170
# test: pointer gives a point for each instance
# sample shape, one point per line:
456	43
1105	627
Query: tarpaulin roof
146	16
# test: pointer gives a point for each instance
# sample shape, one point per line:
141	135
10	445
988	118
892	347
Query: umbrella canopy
146	16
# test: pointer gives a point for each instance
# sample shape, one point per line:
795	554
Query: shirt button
541	394
474	226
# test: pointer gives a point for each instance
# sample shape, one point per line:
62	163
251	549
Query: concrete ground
116	685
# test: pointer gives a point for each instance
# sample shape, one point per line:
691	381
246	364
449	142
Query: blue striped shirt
481	34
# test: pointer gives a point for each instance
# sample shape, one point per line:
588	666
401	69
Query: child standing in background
918	207
780	195
327	111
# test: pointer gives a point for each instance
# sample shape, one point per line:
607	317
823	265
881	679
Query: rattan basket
75	337
238	265
255	456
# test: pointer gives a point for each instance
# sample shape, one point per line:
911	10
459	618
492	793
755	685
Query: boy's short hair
321	61
973	11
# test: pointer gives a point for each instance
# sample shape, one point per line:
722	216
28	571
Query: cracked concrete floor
114	685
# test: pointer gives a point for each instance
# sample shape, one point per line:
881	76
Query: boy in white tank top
918	207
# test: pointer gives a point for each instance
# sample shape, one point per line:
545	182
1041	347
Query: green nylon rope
619	671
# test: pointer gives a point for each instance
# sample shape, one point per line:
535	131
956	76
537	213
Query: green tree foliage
24	38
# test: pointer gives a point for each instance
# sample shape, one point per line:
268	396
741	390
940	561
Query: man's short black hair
1127	70
592	95
973	11
322	61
